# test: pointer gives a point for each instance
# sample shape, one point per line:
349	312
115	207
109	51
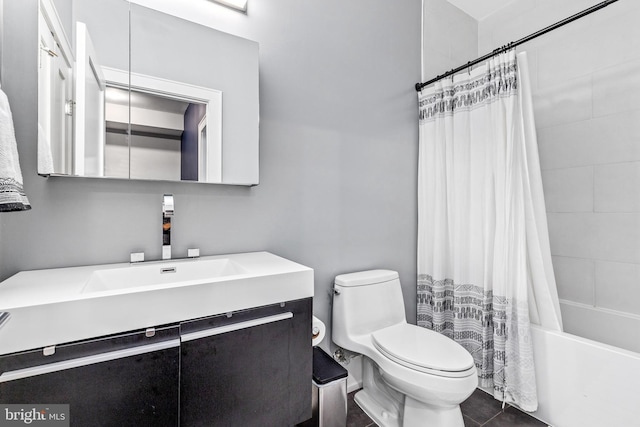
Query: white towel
12	197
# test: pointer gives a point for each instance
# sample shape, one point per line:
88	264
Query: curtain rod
504	48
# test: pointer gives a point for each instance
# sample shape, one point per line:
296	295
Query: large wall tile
616	89
571	234
617	237
486	42
519	26
617	187
609	139
521	18
558	10
602	326
567	102
601	236
575	278
568	145
617	286
615	34
568	190
566	57
615	137
532	59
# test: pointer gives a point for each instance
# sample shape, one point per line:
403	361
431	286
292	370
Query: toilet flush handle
336	291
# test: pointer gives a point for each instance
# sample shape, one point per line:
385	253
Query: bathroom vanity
223	341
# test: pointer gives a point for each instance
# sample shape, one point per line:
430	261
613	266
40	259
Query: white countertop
49	307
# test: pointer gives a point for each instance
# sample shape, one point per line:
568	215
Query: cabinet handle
88	360
235	326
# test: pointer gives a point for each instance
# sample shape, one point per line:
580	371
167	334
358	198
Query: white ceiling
479	9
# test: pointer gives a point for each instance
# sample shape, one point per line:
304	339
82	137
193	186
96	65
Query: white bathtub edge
584	383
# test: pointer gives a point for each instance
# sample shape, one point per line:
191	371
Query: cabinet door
250	369
126	380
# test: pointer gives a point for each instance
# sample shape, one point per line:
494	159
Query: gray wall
338	155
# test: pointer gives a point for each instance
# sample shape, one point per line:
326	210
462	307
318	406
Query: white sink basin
161	274
61	305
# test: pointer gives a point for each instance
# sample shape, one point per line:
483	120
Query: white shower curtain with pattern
484	263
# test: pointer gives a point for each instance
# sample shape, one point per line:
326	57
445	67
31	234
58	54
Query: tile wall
586	87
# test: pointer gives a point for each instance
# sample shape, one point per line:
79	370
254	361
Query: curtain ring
469	67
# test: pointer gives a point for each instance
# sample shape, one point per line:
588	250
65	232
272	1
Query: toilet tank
365	302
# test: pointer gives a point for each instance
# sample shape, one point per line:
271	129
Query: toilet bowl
411	376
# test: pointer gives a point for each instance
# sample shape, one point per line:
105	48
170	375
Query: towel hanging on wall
12	197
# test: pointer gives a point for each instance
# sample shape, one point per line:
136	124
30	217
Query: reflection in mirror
71	84
155	135
163	137
55	93
152	129
89	107
146	104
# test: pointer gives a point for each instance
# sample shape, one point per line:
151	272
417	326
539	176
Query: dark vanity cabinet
248	368
123	380
241	369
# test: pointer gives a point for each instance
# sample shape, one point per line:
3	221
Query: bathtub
583	383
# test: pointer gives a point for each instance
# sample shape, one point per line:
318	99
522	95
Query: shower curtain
484	263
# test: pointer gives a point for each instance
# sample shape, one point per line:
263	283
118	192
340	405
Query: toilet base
422	414
386	415
379	401
383	413
389	408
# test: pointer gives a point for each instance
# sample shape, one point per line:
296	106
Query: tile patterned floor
480	409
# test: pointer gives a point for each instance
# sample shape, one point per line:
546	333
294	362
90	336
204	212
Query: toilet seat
423	350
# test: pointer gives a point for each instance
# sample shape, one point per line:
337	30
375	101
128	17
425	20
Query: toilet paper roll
318	329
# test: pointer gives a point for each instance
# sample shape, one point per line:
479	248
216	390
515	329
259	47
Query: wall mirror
132	93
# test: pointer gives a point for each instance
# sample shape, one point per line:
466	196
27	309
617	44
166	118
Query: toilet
411	376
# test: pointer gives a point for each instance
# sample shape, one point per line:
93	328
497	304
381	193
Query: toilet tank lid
369	277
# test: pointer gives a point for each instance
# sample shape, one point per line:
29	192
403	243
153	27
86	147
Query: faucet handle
137	257
193	253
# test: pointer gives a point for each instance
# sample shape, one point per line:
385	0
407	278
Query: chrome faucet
167	213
